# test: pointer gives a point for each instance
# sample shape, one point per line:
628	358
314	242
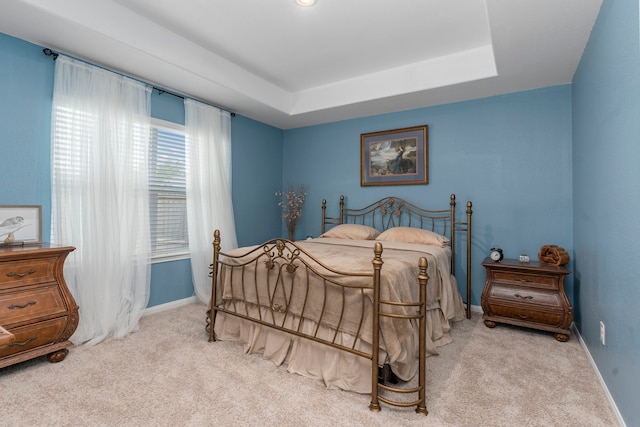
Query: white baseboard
476	309
612	403
170	305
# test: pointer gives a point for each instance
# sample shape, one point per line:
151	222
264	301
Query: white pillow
352	232
413	235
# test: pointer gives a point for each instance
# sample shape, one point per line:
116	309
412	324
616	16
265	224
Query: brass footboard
281	286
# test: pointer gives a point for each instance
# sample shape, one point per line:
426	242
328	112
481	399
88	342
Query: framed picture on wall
20	224
394	157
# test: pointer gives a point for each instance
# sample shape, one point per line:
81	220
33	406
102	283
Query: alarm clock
496	254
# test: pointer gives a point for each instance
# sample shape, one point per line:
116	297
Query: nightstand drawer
26	272
524	296
35	335
524	279
551	318
29	304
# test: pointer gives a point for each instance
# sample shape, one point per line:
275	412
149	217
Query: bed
360	307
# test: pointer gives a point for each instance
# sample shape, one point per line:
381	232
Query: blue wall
26	89
510	155
257	175
606	153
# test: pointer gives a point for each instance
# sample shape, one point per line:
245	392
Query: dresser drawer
27	272
551	318
29	304
525	296
35	335
525	279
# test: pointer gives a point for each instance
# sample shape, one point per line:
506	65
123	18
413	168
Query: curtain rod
162	91
49	52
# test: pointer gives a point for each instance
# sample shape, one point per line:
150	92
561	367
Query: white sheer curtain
100	145
209	205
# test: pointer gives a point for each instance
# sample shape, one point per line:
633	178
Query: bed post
423	279
469	212
453	234
324	215
377	265
214	280
341	209
462	226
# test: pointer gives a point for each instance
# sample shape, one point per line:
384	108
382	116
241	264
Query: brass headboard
395	212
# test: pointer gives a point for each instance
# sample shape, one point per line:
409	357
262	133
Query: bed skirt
338	369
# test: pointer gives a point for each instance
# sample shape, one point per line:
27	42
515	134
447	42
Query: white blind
167	192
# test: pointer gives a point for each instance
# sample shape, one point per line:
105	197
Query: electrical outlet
602	333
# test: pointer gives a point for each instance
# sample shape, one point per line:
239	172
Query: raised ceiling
291	66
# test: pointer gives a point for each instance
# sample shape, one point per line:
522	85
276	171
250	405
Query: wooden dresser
527	294
35	303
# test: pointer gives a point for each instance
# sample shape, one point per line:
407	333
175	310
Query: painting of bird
9	226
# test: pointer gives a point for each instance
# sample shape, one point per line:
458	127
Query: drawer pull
13	306
12	274
23	343
525	297
523	317
524	280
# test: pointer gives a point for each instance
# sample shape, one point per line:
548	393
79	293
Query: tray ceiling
290	66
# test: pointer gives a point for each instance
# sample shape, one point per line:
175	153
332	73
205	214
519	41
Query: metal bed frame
276	262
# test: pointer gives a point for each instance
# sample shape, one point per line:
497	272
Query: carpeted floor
168	374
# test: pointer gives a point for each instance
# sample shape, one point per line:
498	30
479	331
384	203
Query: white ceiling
291	66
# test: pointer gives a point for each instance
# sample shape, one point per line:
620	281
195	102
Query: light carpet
168	374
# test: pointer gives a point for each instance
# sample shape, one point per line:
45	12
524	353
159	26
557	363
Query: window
167	191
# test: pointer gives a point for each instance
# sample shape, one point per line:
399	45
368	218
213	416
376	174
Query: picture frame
395	157
20	224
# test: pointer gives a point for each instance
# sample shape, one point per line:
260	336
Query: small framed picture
20	224
394	157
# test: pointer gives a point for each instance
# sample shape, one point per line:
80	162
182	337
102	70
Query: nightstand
527	294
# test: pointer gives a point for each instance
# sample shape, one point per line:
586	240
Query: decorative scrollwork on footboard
284	252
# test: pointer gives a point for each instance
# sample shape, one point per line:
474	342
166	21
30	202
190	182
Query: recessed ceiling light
306	3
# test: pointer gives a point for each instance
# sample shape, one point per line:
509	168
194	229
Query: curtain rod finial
49	52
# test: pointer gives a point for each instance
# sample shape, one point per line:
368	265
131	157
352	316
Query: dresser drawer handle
523	317
12	274
524	280
13	306
23	343
520	296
